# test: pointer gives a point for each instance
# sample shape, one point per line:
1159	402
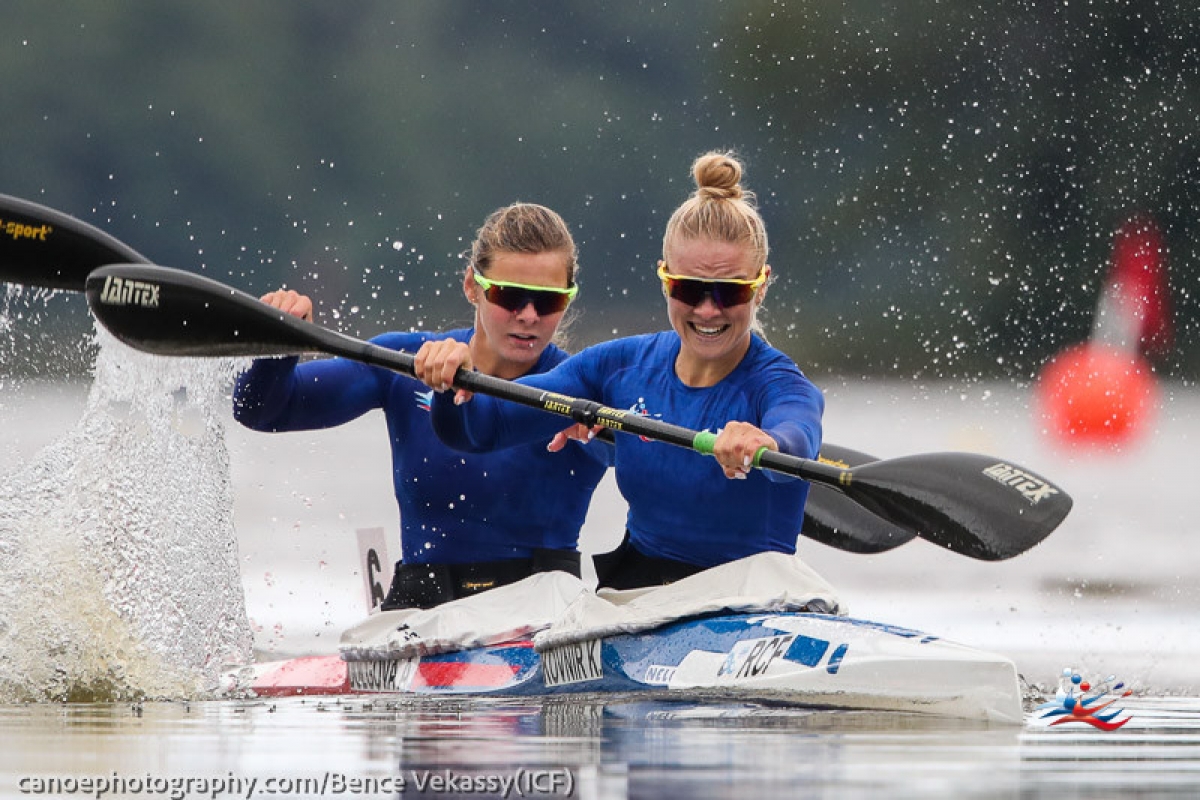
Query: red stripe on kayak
460	675
305	675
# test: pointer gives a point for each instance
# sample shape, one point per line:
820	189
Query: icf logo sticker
1079	701
640	409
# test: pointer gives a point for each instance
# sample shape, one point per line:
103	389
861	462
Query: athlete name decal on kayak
19	230
1031	487
572	663
752	657
382	676
125	292
659	674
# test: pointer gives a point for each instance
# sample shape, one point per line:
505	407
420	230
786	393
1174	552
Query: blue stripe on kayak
835	660
807	650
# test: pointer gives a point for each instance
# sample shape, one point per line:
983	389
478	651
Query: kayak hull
800	658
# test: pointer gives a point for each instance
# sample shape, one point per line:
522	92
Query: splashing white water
118	559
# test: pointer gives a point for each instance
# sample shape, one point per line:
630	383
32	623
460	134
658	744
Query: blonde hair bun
718	176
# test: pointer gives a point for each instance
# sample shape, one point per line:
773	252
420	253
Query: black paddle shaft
43	247
973	504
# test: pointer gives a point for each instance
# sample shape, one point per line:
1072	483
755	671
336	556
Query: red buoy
1103	392
1096	394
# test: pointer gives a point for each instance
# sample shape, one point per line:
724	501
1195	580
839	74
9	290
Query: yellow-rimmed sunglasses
515	296
725	292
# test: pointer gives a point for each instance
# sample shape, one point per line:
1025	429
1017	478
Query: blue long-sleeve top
681	506
454	508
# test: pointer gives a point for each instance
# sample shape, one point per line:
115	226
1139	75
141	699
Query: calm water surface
1112	592
591	748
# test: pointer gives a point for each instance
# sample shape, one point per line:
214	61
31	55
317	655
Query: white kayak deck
766	626
556	608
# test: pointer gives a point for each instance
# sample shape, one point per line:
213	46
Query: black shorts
629	568
429	585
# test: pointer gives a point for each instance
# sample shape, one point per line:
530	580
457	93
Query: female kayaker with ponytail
712	371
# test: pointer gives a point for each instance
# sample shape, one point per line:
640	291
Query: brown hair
720	209
523	228
527	228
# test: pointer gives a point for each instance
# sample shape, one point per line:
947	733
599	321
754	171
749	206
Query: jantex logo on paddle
19	230
1031	487
127	292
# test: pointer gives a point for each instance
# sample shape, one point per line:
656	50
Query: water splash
118	559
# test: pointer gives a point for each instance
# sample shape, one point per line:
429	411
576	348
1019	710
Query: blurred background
942	180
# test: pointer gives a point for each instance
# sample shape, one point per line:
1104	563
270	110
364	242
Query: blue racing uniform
454	508
681	505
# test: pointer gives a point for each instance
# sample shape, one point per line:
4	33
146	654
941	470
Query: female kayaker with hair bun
713	371
468	523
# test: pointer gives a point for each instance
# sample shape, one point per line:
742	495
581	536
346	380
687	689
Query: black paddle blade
43	247
976	505
832	518
174	313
